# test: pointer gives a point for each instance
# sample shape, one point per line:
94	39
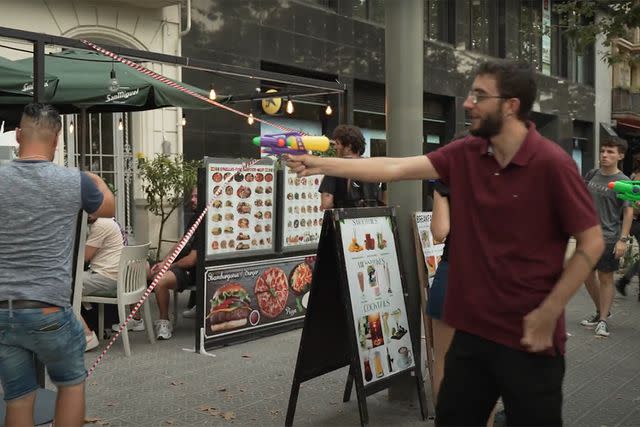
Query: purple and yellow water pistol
626	190
291	143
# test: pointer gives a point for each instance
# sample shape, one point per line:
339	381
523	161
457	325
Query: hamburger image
229	308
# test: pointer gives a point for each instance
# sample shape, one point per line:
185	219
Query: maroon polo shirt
511	227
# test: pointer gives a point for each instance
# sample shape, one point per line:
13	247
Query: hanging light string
181	88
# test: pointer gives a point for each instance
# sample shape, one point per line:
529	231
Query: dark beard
489	126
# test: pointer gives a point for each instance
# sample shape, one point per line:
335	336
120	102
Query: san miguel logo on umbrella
121	96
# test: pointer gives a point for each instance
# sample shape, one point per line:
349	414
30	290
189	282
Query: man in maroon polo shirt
518	197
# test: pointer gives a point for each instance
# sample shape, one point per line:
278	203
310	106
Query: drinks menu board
431	250
247	297
240	219
302	216
377	297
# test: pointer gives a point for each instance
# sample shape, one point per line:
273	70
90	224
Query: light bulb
328	111
120	125
289	107
184	120
212	94
114	85
71	127
250	119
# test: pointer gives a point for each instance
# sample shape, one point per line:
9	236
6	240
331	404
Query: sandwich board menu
431	250
357	315
249	297
428	254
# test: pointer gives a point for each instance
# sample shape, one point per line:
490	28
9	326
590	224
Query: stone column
404	56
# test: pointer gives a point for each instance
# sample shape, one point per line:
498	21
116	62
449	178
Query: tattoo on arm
584	255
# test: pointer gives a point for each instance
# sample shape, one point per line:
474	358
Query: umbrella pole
83	135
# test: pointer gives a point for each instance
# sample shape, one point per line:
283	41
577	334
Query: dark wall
298	35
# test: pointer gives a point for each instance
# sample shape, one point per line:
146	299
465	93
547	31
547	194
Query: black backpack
361	194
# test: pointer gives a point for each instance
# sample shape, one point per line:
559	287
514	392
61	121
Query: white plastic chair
132	282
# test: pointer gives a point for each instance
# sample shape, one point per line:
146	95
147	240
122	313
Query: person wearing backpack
348	142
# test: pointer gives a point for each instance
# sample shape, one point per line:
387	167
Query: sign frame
330	290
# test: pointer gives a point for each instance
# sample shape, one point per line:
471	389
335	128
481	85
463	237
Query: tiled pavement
249	383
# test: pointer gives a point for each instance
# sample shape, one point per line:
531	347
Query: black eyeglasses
477	97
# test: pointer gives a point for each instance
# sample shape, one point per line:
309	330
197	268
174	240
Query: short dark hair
615	141
514	80
43	116
350	136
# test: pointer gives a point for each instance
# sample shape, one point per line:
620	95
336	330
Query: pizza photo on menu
301	278
272	291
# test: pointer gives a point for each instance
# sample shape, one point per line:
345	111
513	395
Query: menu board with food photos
253	296
241	219
301	213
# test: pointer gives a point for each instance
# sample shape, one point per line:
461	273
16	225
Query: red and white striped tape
183	241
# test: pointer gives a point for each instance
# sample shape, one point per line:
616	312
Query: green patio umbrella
16	82
85	83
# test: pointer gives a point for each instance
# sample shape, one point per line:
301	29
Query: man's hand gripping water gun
291	143
627	190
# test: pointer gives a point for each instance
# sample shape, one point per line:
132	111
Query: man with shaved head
39	205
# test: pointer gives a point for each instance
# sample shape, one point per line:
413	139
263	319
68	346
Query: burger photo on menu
229	308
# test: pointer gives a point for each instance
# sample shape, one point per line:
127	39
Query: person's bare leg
492	417
442	336
70	406
20	411
606	293
593	287
167	282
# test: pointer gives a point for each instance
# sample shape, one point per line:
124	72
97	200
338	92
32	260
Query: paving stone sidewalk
249	383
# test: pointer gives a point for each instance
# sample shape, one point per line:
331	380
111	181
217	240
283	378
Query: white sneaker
134	325
190	313
164	329
92	341
602	329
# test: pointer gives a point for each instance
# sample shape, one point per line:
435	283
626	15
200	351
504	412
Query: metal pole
404	46
83	128
38	71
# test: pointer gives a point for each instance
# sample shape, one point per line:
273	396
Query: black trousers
478	371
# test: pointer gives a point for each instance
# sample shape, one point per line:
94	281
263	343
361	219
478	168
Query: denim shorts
438	291
56	339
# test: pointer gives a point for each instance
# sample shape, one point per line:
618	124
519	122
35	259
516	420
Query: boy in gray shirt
615	230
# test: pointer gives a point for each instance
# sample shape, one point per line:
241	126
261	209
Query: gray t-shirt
608	205
39	206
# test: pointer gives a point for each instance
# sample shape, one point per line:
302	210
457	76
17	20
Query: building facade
113	138
344	40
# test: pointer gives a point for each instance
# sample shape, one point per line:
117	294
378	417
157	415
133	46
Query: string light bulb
328	111
212	94
71	127
184	120
289	106
120	124
250	118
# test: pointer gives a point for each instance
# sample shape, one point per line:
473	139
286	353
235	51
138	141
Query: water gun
626	190
291	143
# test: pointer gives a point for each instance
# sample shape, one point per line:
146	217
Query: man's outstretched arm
375	169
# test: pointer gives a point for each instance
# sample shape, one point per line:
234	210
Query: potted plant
165	181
